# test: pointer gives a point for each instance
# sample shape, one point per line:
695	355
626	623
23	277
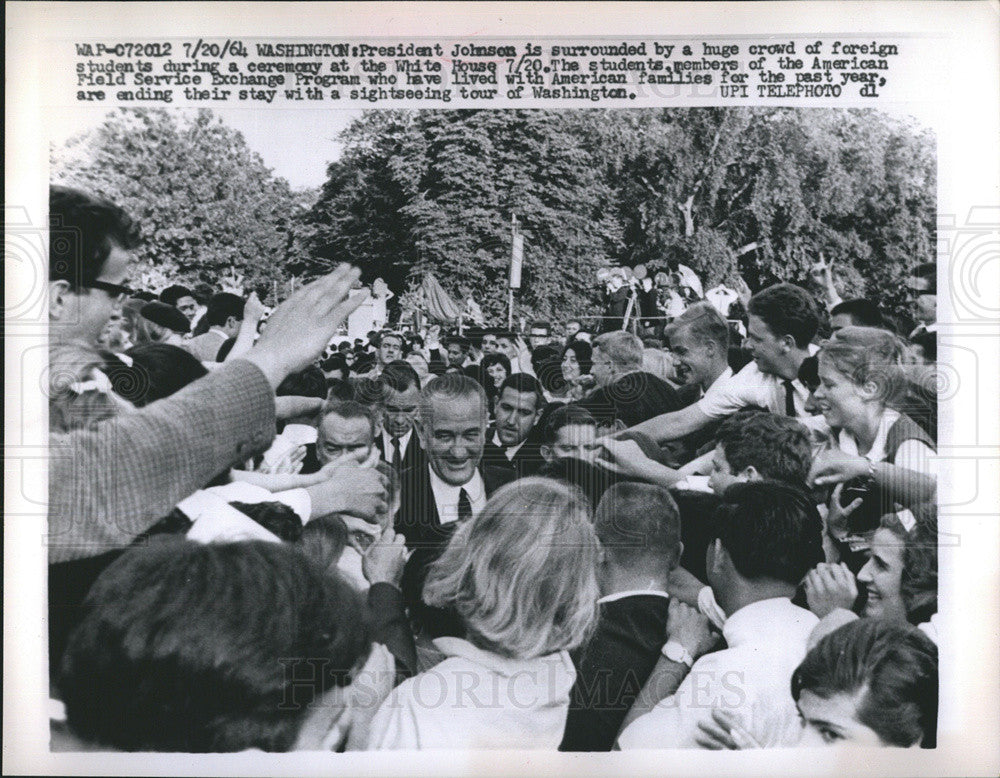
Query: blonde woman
522	578
878	456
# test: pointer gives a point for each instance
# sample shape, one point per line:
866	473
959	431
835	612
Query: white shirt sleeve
724	398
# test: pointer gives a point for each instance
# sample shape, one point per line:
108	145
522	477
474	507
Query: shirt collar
404	441
510	451
220	332
446	495
762	620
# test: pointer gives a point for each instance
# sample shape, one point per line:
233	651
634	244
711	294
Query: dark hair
217	647
391	334
545	361
583	352
309	382
336	361
173	293
787	309
863	313
157	370
323	540
202	292
539	324
809	373
564	417
637	522
496	358
770	530
891	668
458	340
351	409
399	376
776	446
523	384
222	306
593	480
276	517
83	229
166	316
918	582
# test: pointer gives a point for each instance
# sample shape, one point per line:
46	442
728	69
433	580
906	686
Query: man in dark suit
451	486
514	437
400	400
625	392
639	529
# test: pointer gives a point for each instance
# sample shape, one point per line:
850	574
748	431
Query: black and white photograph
468	429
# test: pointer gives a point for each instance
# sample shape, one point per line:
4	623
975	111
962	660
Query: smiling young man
783	320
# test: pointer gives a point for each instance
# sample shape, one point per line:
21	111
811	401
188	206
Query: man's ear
788	343
546	451
750	473
57	299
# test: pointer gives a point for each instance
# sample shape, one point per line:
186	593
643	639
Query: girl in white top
861	375
521	576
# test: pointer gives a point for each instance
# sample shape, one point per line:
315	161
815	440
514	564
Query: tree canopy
207	204
760	192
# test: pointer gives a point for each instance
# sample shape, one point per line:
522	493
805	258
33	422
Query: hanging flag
438	304
516	257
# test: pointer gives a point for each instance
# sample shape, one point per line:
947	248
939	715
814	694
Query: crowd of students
264	536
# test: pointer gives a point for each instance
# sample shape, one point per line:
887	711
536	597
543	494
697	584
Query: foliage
759	192
206	203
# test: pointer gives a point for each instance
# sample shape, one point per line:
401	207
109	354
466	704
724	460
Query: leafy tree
207	204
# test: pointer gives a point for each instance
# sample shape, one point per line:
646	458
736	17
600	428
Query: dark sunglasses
115	290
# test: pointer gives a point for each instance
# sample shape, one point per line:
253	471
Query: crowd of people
264	535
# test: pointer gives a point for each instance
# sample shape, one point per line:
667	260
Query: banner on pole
516	258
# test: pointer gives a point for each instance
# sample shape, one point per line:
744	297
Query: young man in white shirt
768	538
783	320
699	341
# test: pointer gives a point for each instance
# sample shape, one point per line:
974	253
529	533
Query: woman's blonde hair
866	354
522	574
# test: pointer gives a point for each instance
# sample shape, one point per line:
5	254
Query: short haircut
566	416
323	540
390	334
157	370
222	306
866	354
457	340
703	324
173	293
539	324
591	479
451	387
217	647
276	517
336	362
309	382
638	522
522	575
787	309
399	376
351	409
864	313
583	352
524	384
776	446
623	349
891	669
546	364
809	373
202	292
770	530
83	230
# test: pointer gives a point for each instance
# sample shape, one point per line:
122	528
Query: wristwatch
675	652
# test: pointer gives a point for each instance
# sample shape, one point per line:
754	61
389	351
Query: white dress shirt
751	678
404	441
752	386
446	496
476	699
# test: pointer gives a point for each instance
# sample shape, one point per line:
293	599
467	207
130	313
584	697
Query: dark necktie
789	399
464	505
397	459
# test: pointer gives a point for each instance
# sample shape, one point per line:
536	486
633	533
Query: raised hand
830	586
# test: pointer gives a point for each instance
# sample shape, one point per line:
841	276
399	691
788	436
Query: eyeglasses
115	290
